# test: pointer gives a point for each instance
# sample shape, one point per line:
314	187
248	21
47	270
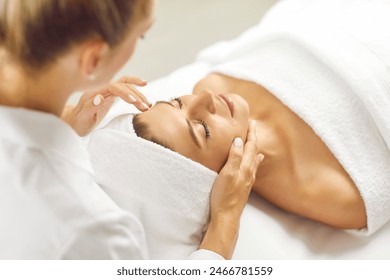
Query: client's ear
91	54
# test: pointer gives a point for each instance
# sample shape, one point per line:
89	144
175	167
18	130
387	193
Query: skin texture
299	173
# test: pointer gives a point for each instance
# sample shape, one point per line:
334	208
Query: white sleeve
120	238
205	255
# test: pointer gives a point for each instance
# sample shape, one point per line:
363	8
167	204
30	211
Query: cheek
241	130
227	131
125	53
222	142
121	54
129	49
223	134
223	154
218	152
215	159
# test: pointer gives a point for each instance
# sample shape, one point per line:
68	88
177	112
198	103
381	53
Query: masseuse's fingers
139	98
133	80
129	94
94	105
97	108
129	81
235	156
125	89
86	115
234	183
244	158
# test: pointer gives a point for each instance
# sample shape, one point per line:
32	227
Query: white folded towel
166	191
329	63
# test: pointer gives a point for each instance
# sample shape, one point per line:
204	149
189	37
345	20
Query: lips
229	103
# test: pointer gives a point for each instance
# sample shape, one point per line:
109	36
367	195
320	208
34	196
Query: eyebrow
164	102
190	128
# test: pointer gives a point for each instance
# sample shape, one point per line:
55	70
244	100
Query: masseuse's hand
230	194
94	105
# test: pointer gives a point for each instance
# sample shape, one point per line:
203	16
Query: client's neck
269	115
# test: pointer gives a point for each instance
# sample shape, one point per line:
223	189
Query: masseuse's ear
91	54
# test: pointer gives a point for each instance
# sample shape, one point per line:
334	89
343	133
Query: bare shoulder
340	202
319	193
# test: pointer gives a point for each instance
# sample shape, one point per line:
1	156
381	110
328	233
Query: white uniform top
50	206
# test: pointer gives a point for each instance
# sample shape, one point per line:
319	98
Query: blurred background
184	27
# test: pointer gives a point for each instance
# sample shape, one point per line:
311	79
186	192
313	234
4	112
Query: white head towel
168	192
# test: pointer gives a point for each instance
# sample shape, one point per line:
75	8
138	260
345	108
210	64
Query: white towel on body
166	191
329	63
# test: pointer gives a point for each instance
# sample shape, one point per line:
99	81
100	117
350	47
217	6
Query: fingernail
97	100
144	106
260	157
237	142
132	98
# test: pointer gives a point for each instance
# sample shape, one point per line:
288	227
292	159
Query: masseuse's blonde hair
35	32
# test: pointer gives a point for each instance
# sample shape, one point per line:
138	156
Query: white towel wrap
169	193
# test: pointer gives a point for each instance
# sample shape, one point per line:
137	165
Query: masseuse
50	207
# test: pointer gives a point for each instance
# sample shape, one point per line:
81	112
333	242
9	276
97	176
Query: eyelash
203	123
205	126
178	100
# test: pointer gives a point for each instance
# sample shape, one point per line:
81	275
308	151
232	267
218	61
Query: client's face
201	127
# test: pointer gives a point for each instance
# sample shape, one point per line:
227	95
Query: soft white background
183	27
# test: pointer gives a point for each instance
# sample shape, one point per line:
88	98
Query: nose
204	101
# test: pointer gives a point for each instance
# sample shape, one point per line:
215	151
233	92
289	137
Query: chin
240	103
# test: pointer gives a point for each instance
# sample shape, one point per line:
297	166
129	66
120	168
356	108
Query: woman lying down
299	172
321	113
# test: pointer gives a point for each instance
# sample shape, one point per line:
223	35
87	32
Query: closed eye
205	127
178	100
201	122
